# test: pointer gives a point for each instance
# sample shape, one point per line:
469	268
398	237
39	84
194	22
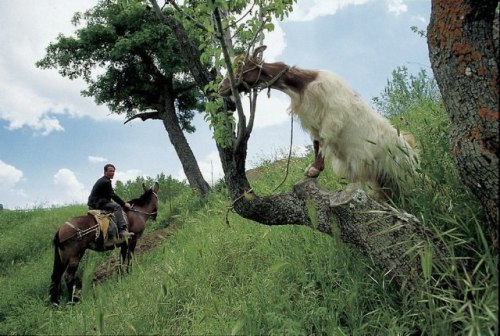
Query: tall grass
461	296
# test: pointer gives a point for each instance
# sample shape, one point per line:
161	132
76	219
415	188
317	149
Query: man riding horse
102	197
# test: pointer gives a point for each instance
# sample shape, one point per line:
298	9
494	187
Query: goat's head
247	73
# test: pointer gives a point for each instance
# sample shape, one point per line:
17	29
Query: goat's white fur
362	145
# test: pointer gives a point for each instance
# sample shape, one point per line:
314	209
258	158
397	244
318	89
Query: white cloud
127	175
420	18
32	97
308	10
275	42
397	7
9	175
96	159
69	185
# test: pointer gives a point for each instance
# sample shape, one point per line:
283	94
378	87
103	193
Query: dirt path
145	243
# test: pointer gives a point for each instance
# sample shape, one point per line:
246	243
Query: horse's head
153	196
148	201
247	72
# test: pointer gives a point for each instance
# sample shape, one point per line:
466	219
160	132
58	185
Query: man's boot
123	232
122	225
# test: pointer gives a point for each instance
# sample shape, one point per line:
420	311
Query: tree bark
179	142
462	50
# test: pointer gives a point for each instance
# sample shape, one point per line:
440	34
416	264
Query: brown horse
81	233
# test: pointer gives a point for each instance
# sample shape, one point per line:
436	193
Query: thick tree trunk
463	49
181	146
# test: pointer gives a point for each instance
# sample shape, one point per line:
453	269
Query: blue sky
54	143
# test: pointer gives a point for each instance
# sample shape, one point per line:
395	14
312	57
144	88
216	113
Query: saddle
106	222
107	226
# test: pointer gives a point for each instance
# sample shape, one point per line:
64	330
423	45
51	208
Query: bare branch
144	116
253	108
241	116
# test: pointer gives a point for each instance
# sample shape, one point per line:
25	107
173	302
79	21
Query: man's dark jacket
103	193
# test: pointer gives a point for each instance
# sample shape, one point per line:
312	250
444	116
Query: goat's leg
314	169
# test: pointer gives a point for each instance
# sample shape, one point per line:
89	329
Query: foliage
128	58
232	26
404	91
170	188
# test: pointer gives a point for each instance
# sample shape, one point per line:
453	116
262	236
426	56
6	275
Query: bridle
263	85
149	214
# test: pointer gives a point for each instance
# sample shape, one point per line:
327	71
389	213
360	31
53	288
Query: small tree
144	74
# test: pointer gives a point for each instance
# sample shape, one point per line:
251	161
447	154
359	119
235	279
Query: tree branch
187	16
145	116
393	239
241	130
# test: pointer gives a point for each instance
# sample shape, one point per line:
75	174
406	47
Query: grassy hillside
246	278
212	278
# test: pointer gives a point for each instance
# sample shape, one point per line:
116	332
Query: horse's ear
257	53
144	186
156	187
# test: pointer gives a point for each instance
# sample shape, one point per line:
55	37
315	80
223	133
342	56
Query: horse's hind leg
71	280
57	272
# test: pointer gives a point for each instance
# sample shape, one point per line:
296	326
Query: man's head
109	171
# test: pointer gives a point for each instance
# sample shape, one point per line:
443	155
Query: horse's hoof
312	172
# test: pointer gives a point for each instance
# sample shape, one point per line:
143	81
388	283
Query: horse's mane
143	199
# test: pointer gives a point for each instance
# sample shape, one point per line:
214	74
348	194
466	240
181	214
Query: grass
246	278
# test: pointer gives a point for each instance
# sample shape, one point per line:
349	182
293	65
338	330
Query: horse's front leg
126	252
314	169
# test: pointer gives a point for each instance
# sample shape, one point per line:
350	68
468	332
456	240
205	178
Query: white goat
362	145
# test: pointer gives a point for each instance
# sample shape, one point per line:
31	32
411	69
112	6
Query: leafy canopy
128	58
223	29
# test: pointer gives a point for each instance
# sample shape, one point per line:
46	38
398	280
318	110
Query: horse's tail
57	271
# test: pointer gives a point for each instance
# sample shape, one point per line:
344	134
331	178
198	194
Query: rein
143	212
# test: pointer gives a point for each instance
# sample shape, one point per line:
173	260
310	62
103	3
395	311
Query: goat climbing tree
382	233
463	47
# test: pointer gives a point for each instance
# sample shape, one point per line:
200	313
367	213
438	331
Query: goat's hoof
312	172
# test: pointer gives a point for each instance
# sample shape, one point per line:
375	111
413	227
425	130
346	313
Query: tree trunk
462	50
181	146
